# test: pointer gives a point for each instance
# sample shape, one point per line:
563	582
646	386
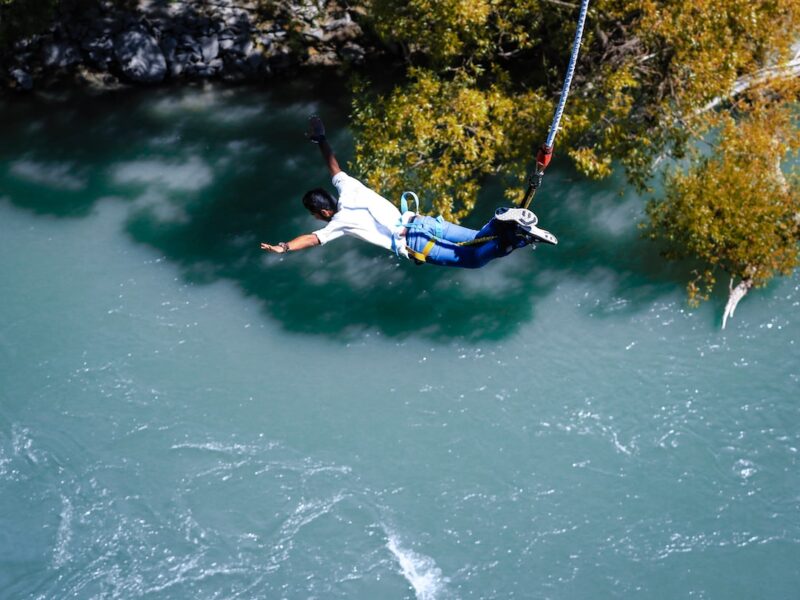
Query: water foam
304	514
61	553
22	444
233	449
419	570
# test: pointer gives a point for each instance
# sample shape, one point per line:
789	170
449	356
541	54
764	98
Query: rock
352	53
322	59
175	28
265	39
308	10
254	62
282	57
60	55
91	13
147	41
77	30
212	69
209	48
342	30
106	26
100	43
24	44
140	57
99	59
243	46
100	50
345	21
168	46
315	34
187	41
24	59
159	28
236	19
179	64
99	81
23	78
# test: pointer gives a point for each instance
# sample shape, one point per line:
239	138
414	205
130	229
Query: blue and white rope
551	135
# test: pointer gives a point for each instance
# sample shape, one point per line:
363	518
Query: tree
734	209
656	81
441	136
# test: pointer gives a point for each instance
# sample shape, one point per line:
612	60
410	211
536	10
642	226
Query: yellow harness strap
422	257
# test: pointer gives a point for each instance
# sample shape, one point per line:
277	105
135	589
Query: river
185	416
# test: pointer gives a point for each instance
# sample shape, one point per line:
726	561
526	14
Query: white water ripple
419	570
61	555
232	449
304	514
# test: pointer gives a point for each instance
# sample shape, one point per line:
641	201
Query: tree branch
734	297
788	69
562	3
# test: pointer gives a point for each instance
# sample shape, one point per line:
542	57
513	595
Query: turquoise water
183	416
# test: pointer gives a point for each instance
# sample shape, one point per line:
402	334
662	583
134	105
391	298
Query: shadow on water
208	173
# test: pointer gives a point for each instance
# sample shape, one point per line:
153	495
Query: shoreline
163	43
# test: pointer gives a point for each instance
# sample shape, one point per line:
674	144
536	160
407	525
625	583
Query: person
365	214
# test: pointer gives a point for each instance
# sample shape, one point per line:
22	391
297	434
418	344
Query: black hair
318	200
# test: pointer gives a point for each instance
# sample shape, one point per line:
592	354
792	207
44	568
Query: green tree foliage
735	210
438	131
655	80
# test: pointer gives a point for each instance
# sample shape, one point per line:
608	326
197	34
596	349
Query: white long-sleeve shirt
364	214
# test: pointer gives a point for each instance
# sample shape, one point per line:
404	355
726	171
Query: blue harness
434	237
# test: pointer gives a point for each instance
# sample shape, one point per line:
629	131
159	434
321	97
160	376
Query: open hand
271	248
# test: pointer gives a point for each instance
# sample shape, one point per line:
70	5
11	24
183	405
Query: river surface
184	416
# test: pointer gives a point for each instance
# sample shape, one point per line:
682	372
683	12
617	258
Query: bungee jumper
360	212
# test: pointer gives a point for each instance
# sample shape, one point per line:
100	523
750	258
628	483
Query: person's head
320	204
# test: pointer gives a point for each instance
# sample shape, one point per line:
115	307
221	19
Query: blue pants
447	254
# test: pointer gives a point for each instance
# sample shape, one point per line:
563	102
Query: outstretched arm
301	242
316	133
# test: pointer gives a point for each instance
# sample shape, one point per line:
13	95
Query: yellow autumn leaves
657	82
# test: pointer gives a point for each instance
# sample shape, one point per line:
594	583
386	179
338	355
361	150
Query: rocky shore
160	41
